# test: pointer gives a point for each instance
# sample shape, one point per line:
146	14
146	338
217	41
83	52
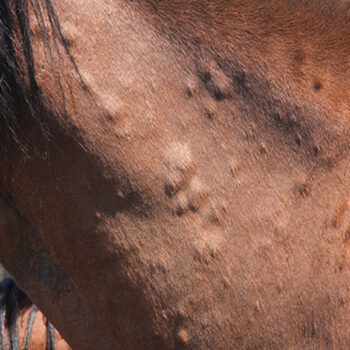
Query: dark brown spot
304	189
109	118
277	117
191	88
210	110
298	139
299	56
340	214
317	150
217	83
347	235
317	85
226	283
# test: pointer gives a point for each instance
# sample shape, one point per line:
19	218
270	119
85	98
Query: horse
174	174
25	324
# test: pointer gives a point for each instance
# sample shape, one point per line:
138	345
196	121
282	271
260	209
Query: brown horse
26	327
175	174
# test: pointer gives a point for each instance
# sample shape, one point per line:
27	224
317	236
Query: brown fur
196	171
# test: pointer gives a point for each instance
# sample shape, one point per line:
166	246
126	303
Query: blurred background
2	272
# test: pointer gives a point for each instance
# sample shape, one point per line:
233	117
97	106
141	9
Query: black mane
18	85
13	92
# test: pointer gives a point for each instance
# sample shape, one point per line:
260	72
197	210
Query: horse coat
175	174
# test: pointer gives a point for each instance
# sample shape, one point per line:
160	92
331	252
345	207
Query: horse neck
297	50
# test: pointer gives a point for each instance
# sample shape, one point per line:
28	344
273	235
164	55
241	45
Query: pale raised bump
197	193
179	163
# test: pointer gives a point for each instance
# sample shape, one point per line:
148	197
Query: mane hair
13	301
12	88
19	89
